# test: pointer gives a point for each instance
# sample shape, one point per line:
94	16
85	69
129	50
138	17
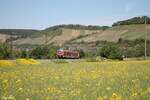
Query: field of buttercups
28	79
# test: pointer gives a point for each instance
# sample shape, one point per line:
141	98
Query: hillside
128	32
18	31
4	37
133	21
59	36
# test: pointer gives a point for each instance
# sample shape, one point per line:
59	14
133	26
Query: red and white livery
69	54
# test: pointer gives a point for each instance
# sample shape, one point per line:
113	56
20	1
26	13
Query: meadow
24	79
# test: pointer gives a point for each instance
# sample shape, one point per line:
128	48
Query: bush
44	52
5	51
134	48
24	54
82	54
40	52
111	51
52	53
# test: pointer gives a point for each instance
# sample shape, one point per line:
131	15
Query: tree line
119	50
77	26
110	50
39	52
135	20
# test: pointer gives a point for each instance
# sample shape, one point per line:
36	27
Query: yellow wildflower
47	98
5	81
27	99
20	89
18	81
108	88
27	62
134	94
148	90
115	97
100	98
6	63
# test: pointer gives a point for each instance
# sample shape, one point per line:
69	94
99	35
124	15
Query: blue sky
40	14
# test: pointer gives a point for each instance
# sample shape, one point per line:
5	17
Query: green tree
52	53
40	52
24	54
5	51
111	51
82	54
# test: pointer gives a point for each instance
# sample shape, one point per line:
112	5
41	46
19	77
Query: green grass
128	80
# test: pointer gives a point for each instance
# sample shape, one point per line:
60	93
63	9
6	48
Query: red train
69	54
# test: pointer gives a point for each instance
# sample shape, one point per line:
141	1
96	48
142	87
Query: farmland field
45	80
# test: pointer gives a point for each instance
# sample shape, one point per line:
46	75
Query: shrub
24	54
82	54
44	52
5	51
52	53
111	51
40	52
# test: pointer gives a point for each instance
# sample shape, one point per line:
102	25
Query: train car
68	54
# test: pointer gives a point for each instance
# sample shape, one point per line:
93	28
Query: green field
107	80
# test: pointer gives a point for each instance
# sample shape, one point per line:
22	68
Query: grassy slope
77	81
18	31
3	37
113	34
60	36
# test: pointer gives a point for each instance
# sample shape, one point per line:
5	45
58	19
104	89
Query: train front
60	53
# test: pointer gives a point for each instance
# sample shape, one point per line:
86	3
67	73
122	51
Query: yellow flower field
45	80
6	63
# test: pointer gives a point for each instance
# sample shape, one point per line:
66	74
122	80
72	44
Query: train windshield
61	49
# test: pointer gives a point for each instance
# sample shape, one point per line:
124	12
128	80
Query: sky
40	14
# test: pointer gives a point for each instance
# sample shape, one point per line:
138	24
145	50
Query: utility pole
11	41
46	39
145	54
11	44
